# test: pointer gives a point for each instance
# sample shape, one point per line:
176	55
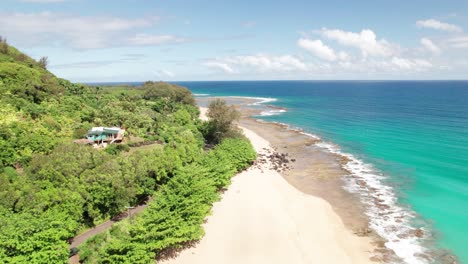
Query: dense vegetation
50	188
177	211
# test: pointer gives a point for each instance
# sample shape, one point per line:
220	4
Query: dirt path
81	238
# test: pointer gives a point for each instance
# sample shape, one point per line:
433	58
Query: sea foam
259	100
262	100
272	112
387	218
265	100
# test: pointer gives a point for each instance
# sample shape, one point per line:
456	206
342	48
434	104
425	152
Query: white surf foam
310	135
201	95
388	219
272	112
260	100
263	100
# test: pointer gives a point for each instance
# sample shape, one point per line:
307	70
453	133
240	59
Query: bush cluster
176	213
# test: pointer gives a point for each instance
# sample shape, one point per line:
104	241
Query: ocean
407	139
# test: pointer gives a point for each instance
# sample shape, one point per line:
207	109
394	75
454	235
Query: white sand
263	219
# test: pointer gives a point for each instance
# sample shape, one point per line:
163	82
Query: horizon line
278	80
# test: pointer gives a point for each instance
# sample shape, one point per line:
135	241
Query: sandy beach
261	218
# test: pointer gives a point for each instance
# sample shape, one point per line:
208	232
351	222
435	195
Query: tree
29	238
158	90
221	121
3	45
43	62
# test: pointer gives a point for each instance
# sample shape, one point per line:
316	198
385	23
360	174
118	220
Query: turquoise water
414	133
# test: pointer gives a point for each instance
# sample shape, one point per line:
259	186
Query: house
101	136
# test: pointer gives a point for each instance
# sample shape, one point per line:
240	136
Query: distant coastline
137	83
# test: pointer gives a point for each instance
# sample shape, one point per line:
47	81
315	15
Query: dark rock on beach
275	160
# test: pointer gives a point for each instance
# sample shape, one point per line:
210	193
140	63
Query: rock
418	233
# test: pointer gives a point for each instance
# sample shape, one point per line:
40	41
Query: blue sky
138	40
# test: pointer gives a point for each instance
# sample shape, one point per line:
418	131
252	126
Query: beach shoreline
315	171
357	193
262	218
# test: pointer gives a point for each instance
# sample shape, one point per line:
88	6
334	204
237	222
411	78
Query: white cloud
258	63
378	66
81	32
366	41
164	74
430	46
381	66
436	24
318	49
411	64
146	39
268	63
459	42
84	64
288	65
343	56
220	66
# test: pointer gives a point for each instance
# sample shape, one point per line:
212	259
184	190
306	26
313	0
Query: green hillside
51	188
32	101
26	78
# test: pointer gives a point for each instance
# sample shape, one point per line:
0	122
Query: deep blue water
414	132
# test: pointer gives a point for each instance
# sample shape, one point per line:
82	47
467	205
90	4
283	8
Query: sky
175	40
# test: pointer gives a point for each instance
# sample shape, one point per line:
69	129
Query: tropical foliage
51	188
176	213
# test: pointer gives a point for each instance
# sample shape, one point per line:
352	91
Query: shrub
221	122
239	151
115	149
